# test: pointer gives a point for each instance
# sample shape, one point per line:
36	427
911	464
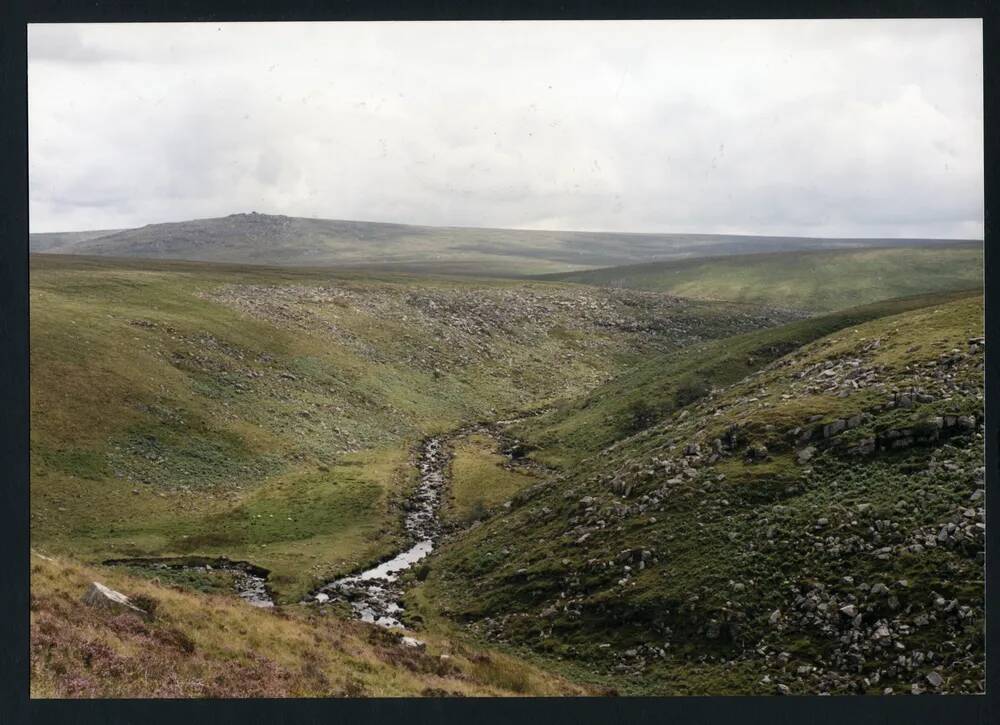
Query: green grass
479	480
816	280
269	414
656	387
525	578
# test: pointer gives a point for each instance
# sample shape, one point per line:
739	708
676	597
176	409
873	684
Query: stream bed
375	594
249	580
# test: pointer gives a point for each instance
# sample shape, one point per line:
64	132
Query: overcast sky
825	128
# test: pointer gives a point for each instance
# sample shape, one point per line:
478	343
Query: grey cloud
62	43
835	127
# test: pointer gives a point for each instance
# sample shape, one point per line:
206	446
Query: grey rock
413	642
832	429
102	597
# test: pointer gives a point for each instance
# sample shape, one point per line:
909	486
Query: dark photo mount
509	446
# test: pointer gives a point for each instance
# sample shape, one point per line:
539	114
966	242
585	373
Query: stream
374	594
249	580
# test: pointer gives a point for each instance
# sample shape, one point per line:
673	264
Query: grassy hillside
815	280
665	383
270	415
197	645
294	241
813	524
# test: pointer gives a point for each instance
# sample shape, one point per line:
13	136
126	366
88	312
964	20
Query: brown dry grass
208	646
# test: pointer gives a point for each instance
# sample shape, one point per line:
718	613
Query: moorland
671	464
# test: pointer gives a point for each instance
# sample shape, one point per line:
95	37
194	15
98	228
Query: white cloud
836	128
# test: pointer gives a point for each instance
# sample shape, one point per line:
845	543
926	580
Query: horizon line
113	230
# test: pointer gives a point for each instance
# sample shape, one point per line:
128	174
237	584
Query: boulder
832	429
412	642
102	597
881	632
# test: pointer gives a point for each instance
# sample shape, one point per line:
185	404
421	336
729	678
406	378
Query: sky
838	128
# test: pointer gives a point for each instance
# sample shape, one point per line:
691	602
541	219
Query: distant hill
63	241
294	241
820	280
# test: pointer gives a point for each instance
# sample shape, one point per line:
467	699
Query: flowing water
375	593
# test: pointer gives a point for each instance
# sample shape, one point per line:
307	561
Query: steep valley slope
798	510
194	644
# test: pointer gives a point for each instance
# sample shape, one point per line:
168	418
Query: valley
536	485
